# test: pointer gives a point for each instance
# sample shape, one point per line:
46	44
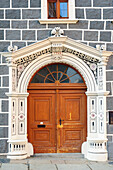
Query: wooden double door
57	120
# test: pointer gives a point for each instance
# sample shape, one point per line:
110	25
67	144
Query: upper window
57	9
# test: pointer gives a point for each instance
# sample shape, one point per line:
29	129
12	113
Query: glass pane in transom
63	9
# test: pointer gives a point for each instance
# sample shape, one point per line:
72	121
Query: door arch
57	112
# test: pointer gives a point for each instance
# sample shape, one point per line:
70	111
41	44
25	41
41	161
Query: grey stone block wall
19	25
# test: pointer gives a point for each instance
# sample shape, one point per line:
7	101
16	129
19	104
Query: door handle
61	121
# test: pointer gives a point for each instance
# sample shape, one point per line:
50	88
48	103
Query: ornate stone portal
91	63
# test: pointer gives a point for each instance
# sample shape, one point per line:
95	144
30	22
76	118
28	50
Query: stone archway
88	61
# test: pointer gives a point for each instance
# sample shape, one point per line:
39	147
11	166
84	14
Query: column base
17	155
93	156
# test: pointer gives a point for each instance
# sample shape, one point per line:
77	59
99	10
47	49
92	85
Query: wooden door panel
41	119
72	111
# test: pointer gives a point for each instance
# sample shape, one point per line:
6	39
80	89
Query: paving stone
72	167
31	13
109	76
36	24
3	119
108	13
1	14
100	166
62	26
105	36
12	14
39	161
109	25
28	35
79	25
35	3
3	147
108	87
109	46
19	3
110	63
79	13
77	35
4	24
4	46
42	167
2	93
99	25
13	34
3	132
5	106
19	24
90	35
19	44
83	3
6	81
4	3
14	166
110	107
58	161
4	59
1	34
42	34
102	3
4	69
93	13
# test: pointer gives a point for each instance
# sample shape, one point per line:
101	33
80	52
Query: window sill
58	21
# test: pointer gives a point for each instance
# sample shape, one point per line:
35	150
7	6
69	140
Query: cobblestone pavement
54	162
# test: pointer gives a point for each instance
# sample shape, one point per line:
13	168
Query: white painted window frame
44	17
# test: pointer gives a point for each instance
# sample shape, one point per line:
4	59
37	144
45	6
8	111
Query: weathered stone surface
3	132
94	44
5	81
3	46
110	150
3	119
79	25
2	92
99	25
19	3
109	138
77	35
42	34
108	13
109	46
105	36
110	105
35	24
1	14
62	26
91	36
5	105
19	44
4	3
29	43
108	87
31	14
109	76
4	24
3	146
1	34
102	3
4	69
19	24
12	14
110	63
93	13
28	35
0	81
79	13
12	34
35	3
109	25
3	59
83	3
